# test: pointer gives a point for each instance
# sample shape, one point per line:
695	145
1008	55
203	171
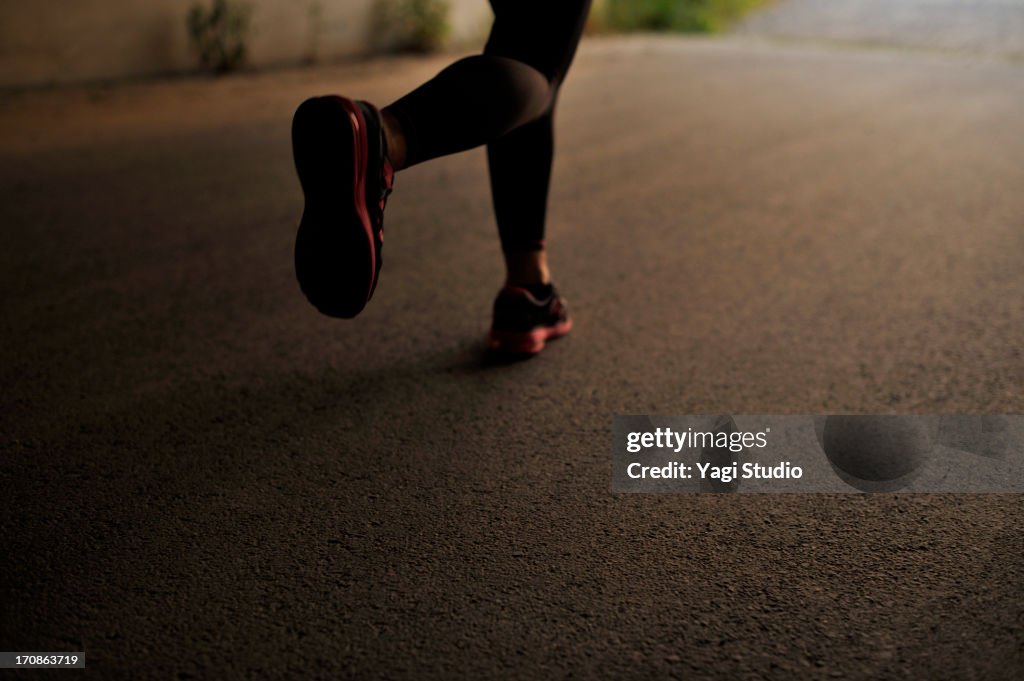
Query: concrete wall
74	40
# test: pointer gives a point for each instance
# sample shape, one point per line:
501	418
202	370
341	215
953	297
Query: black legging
504	98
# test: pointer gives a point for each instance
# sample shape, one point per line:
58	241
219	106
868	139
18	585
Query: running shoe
523	323
341	159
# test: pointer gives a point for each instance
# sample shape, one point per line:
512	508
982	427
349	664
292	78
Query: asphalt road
992	27
203	478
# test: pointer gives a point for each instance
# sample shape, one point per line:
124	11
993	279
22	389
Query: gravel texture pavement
203	478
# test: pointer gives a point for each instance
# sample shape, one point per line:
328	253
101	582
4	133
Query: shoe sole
529	342
335	251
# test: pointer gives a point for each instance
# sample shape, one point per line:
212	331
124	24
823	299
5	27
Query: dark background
202	478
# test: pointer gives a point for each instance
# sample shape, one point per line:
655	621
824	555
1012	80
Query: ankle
394	138
527	269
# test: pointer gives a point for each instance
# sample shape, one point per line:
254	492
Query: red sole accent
527	343
359	162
